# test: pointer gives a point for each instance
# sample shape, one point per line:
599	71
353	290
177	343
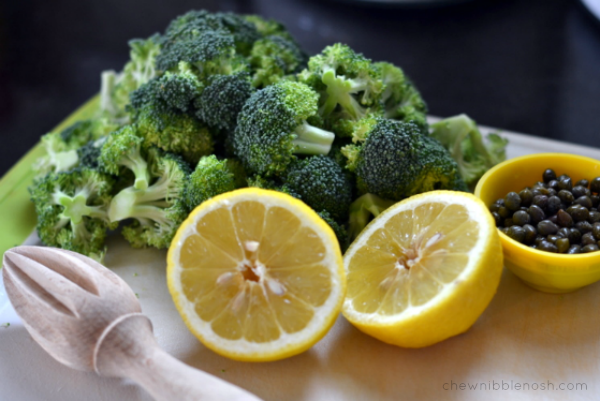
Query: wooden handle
127	348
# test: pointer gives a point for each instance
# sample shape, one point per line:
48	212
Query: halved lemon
256	275
424	270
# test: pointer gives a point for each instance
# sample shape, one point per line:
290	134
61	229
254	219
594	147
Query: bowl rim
540	255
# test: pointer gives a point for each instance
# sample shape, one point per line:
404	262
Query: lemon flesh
424	270
256	275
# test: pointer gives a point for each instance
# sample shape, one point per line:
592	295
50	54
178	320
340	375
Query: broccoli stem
75	207
311	140
361	211
136	163
339	91
63	161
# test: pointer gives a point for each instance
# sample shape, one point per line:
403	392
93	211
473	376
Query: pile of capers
553	215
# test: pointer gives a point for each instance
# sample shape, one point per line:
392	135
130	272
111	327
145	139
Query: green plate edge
17	213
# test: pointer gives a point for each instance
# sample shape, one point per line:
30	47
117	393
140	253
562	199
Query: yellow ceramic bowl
545	271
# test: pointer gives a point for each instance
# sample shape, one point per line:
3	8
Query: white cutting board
527	345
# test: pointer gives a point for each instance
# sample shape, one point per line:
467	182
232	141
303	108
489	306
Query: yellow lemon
256	275
423	270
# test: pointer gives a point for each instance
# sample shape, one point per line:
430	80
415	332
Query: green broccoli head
347	82
61	147
363	210
156	211
167	127
273	126
460	135
222	100
273	57
123	150
212	177
89	154
397	160
178	89
71	209
400	97
267	27
272	183
321	184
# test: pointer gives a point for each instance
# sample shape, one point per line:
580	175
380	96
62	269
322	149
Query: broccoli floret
71	209
397	159
89	154
61	147
222	100
158	210
212	177
347	82
400	97
115	88
321	184
168	128
272	183
179	89
272	127
460	135
267	27
274	57
338	229
362	210
123	150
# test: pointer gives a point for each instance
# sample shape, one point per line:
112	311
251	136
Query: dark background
531	66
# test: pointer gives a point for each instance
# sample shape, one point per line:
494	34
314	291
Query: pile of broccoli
221	101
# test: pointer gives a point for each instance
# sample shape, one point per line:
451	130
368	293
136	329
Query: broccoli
338	229
89	154
115	88
362	210
460	135
71	209
158	210
61	147
274	57
400	97
123	149
397	159
274	125
178	89
167	127
267	27
272	183
348	83
321	184
212	177
222	99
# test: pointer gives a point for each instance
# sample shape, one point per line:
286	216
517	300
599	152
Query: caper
540	184
578	191
573	249
565	183
584	201
504	212
517	233
595	185
536	213
497	219
574	236
538	239
584	183
583	226
564	219
553	205
588	238
546	227
512	201
508	222
547	246
596	230
594	216
562	176
595	200
526	197
549	175
566	197
589	248
552	192
499	202
530	234
553	185
553	219
552	238
578	212
521	217
563	245
536	191
563	232
540	200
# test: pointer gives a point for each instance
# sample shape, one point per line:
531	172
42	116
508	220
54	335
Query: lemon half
256	275
424	270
